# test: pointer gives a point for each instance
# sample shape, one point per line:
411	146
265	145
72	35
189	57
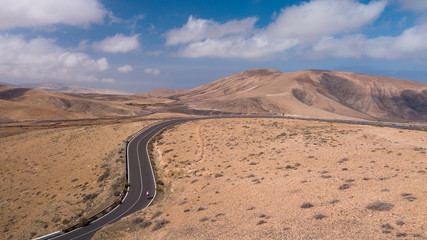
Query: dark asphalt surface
141	179
141	175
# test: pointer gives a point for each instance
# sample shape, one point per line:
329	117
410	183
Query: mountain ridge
312	93
20	104
67	88
309	93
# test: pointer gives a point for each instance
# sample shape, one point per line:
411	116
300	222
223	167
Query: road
141	179
141	175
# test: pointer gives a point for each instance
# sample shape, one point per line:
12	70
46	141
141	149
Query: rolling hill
20	104
66	88
309	93
312	93
161	92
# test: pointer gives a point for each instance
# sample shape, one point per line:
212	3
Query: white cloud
415	5
198	29
153	71
154	53
102	64
125	68
313	20
42	59
108	80
118	43
296	26
237	47
30	13
411	43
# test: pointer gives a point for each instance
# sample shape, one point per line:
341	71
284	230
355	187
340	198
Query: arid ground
283	179
51	178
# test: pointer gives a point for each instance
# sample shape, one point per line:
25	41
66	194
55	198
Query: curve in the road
141	176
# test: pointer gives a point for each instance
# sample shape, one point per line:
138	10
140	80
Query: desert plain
63	159
52	178
283	179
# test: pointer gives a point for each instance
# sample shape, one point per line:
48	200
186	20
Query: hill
161	92
65	88
309	93
20	104
312	93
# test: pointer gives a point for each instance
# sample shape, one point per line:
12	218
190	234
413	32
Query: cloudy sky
137	46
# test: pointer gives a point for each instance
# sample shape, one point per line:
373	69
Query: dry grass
53	178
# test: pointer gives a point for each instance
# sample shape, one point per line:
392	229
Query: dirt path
202	141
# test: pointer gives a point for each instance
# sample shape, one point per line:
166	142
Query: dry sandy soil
284	179
49	177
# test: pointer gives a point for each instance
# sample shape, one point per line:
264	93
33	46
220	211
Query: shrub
261	222
83	222
319	216
105	175
137	220
306	205
379	206
90	197
145	224
156	214
160	224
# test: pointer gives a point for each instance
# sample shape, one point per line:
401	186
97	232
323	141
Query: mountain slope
65	88
312	93
160	92
18	104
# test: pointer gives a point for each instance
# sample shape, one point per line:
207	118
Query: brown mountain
66	88
19	104
312	93
161	92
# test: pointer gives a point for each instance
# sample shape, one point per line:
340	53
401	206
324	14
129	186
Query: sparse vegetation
319	216
315	150
261	222
105	175
160	224
83	222
379	206
81	151
156	214
90	196
138	220
400	223
306	205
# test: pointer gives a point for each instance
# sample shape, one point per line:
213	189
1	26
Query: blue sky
142	45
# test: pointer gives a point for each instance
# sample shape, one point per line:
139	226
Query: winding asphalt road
141	179
141	176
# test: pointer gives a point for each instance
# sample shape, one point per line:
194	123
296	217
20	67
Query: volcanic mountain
312	93
160	92
66	88
20	104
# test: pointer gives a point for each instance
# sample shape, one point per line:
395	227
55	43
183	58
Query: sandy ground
50	177
284	179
